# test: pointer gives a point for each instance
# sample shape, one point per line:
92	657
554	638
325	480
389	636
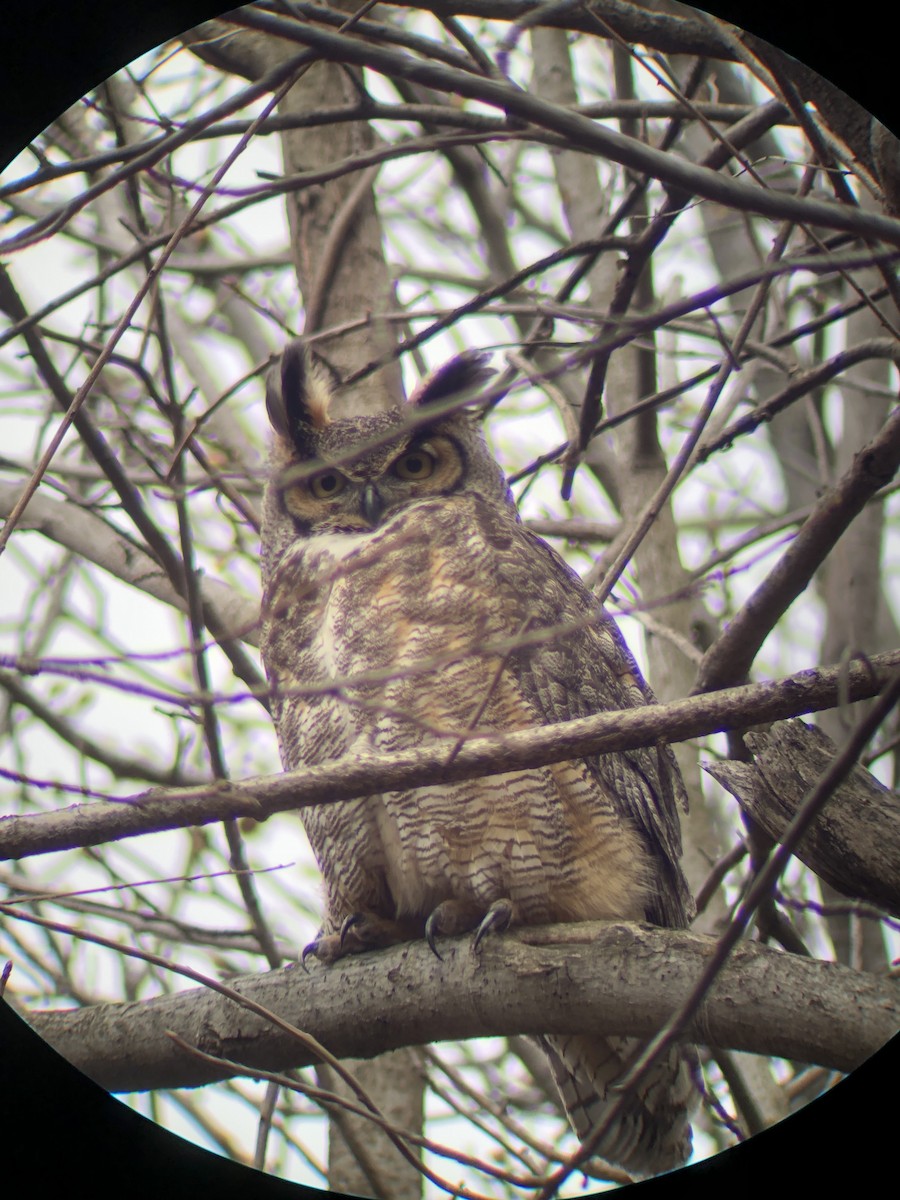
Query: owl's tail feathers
652	1132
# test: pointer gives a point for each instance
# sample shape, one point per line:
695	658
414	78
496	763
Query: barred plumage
404	601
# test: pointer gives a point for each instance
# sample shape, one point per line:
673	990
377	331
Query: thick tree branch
697	716
854	844
609	977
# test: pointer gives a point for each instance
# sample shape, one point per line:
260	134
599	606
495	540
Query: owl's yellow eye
323	487
417	464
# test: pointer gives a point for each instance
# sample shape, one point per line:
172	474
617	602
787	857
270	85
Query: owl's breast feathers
451	620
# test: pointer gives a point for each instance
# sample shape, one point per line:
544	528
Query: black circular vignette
54	53
61	1129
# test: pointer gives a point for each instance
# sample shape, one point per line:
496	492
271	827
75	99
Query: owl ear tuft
461	374
299	391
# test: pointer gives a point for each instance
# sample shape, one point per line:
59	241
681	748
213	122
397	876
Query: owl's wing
591	670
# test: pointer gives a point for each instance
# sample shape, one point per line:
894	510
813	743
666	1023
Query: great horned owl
404	604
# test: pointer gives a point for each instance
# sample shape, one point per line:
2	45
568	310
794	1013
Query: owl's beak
372	504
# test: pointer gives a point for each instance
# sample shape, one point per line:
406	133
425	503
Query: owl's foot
359	932
459	916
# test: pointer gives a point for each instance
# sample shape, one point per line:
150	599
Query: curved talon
308	949
347	924
497	918
430	931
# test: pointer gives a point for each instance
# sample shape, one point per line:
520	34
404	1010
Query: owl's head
351	474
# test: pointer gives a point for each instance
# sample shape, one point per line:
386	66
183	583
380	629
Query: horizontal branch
607	977
364	775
